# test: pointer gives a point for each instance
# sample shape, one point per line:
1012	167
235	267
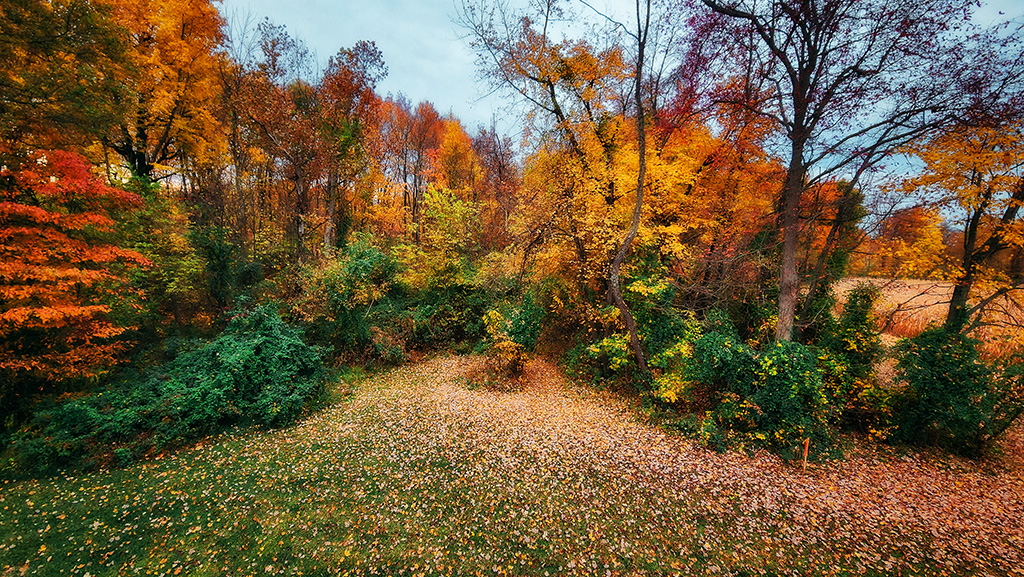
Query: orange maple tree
57	265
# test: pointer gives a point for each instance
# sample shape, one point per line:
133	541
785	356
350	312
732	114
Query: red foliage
56	265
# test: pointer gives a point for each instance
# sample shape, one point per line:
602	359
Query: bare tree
847	82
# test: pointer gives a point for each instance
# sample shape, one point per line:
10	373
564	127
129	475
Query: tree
572	89
351	110
61	67
456	165
846	82
909	244
169	110
500	181
977	172
59	270
282	110
641	36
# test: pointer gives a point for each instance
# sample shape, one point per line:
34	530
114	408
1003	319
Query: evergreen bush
952	399
258	371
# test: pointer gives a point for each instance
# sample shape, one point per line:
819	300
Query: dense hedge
258	371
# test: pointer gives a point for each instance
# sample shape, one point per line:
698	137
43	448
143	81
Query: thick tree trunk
956	317
789	279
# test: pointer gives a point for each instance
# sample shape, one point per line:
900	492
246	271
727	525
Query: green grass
400	479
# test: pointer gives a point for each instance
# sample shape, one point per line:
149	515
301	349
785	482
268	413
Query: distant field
909	306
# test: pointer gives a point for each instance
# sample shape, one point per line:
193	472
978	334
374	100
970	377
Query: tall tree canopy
169	107
62	68
844	82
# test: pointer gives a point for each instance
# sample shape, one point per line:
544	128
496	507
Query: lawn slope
416	474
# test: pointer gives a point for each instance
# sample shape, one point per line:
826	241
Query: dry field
908	306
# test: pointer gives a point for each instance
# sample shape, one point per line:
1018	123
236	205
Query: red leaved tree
58	267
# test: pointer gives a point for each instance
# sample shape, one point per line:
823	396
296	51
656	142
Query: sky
422	48
426	56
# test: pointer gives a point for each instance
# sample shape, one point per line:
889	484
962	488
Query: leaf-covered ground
417	475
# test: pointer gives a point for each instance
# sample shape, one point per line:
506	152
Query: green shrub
505	360
952	399
773	398
347	306
851	346
790	400
611	357
526	320
671	366
257	371
449	314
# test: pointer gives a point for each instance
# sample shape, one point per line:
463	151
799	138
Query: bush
851	346
257	372
790	400
952	399
347	304
526	321
611	357
773	398
506	358
447	315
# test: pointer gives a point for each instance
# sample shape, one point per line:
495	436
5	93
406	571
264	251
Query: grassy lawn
417	475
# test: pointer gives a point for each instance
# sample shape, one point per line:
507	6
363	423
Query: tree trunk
634	227
789	279
975	257
956	317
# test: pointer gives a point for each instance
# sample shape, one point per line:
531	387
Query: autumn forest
784	234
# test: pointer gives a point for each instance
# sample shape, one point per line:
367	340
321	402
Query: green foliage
790	399
348	304
952	399
447	307
449	314
446	233
671	366
721	362
221	257
526	320
506	358
855	336
773	398
258	371
611	357
170	295
850	348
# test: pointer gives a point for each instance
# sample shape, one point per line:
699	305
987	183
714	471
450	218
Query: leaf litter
417	474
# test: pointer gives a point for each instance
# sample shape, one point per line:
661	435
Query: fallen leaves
418	474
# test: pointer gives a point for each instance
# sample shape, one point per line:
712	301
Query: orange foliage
57	266
172	43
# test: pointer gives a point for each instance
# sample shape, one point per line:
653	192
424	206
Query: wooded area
193	222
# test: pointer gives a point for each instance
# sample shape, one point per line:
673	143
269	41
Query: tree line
692	180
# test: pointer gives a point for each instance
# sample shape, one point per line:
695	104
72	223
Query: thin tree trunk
844	215
620	256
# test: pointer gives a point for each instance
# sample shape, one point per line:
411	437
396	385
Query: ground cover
418	474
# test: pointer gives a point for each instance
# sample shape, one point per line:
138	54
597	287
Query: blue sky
426	58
